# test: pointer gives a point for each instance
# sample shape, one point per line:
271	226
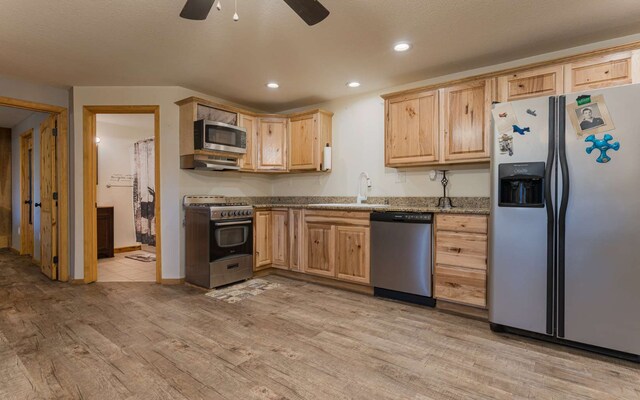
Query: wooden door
248	161
272	144
610	70
48	198
295	239
6	188
546	81
262	239
411	129
280	234
352	253
104	232
303	143
319	249
467	122
26	193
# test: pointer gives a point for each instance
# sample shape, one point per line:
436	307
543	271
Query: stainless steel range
219	241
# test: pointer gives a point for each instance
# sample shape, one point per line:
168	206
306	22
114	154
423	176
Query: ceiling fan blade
196	9
311	11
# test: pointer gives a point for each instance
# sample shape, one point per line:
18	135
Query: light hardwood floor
299	341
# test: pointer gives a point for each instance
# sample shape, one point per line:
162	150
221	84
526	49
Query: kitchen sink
350	205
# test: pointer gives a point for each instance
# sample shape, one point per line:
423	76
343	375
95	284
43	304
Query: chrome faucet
362	197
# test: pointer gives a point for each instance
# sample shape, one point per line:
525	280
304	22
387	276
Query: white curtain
144	194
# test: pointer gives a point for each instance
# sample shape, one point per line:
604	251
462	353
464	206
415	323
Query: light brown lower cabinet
280	236
262	239
319	249
295	239
460	273
352	253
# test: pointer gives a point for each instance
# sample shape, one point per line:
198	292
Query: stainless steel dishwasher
401	256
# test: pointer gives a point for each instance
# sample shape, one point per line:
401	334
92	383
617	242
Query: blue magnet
603	145
522	131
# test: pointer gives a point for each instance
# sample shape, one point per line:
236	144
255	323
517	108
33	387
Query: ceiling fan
311	11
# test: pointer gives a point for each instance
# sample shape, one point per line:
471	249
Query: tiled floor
121	269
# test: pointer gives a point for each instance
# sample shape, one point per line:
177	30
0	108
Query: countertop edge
435	210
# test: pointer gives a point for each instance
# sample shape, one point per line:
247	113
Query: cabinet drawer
462	249
460	285
461	223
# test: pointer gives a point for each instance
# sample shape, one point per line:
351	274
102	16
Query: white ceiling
10	117
144	42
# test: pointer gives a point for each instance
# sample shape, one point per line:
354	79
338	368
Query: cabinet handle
37	204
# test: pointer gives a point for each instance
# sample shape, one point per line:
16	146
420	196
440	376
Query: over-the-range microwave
219	137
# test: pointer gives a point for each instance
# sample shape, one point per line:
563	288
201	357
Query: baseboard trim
126	249
480	314
352	287
179	281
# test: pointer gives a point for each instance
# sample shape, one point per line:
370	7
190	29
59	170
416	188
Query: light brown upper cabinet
466	121
308	135
610	70
248	161
271	144
546	81
411	129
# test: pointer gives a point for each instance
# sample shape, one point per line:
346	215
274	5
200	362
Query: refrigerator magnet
603	145
505	143
521	131
504	117
589	115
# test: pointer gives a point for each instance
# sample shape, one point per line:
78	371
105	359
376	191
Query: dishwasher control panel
422	218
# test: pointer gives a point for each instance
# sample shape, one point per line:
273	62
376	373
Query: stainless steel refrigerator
565	219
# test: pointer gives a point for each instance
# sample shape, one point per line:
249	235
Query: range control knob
223	214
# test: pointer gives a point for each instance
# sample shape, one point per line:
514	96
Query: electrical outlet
433	174
401	176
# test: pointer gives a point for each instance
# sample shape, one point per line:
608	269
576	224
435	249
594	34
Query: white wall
174	182
115	153
32	122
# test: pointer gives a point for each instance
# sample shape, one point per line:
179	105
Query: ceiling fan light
402	46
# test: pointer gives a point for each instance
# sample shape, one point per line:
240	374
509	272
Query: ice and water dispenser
521	185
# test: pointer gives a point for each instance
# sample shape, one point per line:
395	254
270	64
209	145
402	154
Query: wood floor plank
130	340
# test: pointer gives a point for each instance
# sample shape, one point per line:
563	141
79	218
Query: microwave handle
233	223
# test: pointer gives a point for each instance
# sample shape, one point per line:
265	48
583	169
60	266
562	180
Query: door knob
27	202
37	204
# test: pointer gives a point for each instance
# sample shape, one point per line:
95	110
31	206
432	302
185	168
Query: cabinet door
248	161
467	122
547	81
280	231
610	70
352	253
319	249
272	144
262	239
303	142
411	129
295	239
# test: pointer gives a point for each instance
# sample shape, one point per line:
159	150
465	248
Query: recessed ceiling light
404	46
353	84
273	85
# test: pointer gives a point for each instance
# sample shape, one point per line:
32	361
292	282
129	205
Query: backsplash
463	202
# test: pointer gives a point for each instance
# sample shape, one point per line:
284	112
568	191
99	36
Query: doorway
122	189
125	193
47	188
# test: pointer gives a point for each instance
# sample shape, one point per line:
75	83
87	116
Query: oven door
224	137
230	239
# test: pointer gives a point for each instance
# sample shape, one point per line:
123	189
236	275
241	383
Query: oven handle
233	223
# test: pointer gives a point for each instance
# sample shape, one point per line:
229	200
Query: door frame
89	183
63	174
28	134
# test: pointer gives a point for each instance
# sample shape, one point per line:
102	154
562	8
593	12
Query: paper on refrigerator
504	118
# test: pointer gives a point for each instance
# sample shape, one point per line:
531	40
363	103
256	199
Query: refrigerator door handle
548	195
562	214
